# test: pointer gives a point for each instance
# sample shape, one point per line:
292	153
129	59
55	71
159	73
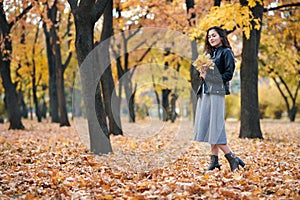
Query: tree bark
86	13
62	107
195	80
250	124
11	98
99	107
38	112
52	76
165	104
76	100
35	99
157	97
127	81
173	106
165	92
22	104
194	74
107	81
59	68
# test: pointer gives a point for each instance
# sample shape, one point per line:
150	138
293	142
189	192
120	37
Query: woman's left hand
203	72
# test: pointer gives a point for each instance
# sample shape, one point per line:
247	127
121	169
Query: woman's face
214	38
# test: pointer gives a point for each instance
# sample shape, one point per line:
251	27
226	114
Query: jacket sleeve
229	65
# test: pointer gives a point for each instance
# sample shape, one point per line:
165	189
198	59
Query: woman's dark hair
208	48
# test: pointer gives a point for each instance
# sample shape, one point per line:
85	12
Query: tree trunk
76	100
165	104
99	107
86	13
173	106
62	107
194	74
52	76
11	98
52	14
127	82
38	112
292	113
22	105
195	80
158	104
44	108
157	97
30	105
129	97
107	79
117	103
63	117
35	99
165	92
98	132
250	125
21	102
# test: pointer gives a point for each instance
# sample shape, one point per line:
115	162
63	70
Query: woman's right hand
203	72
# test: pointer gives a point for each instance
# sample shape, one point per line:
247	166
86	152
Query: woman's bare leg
224	147
214	149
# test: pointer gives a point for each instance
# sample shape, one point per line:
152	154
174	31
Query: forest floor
153	160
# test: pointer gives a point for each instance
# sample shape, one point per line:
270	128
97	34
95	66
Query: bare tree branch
134	33
285	85
281	6
25	11
282	94
297	89
68	60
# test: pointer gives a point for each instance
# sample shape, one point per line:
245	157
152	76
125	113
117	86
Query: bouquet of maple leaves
203	61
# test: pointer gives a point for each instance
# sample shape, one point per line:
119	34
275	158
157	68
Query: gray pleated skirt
209	119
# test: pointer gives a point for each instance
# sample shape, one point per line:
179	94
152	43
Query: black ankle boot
234	161
214	163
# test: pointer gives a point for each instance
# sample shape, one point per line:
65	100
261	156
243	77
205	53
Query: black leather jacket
217	79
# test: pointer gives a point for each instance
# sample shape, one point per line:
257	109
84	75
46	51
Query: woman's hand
203	72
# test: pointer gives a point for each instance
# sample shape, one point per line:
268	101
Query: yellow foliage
280	58
252	3
229	16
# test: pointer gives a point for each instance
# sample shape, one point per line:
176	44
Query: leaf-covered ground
48	162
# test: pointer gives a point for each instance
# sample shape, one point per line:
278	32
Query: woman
209	119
